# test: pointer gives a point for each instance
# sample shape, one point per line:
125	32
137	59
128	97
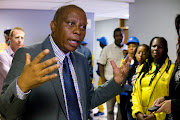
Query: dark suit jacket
85	51
174	95
46	102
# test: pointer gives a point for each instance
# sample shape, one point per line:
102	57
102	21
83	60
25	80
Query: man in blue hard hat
102	43
84	43
87	53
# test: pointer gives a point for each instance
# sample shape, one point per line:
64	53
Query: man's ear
10	38
53	26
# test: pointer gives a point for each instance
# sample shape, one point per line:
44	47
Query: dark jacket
174	95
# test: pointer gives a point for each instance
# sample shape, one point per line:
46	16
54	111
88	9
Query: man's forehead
68	13
118	33
17	32
72	9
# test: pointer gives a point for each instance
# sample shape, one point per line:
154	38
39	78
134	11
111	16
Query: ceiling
103	9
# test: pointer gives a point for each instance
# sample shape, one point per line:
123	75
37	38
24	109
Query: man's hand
164	107
35	73
121	72
158	101
150	117
140	116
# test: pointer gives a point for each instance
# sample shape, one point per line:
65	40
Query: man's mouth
74	43
155	54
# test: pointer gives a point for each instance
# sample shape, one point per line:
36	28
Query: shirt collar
10	51
114	45
58	53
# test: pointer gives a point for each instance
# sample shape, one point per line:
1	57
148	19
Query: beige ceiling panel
101	8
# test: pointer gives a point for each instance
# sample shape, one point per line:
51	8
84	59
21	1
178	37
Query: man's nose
77	30
120	37
20	39
141	54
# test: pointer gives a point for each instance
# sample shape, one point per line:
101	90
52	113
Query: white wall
36	24
102	28
150	18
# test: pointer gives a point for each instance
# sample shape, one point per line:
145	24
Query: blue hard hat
132	39
84	42
103	40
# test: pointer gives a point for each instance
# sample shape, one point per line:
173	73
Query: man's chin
73	49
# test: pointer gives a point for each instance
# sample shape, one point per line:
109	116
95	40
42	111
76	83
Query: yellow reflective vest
143	96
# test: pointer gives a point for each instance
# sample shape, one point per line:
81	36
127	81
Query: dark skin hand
150	117
164	107
36	73
140	116
119	73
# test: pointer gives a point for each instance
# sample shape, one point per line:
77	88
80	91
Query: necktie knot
66	69
65	61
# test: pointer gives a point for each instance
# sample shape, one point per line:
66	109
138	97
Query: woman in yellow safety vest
152	81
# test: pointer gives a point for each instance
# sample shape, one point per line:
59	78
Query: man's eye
83	27
71	23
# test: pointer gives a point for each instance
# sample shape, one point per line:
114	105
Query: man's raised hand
121	72
36	73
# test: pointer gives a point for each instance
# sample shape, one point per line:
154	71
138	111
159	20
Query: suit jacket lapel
55	82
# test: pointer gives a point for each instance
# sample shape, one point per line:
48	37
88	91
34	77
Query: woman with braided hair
152	81
171	104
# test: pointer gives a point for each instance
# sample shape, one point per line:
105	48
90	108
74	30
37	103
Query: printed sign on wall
88	23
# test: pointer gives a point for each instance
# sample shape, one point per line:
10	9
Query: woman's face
157	49
141	54
131	49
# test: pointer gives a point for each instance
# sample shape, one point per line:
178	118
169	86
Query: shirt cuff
137	113
20	94
166	97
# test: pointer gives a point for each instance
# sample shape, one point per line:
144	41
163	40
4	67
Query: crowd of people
53	80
